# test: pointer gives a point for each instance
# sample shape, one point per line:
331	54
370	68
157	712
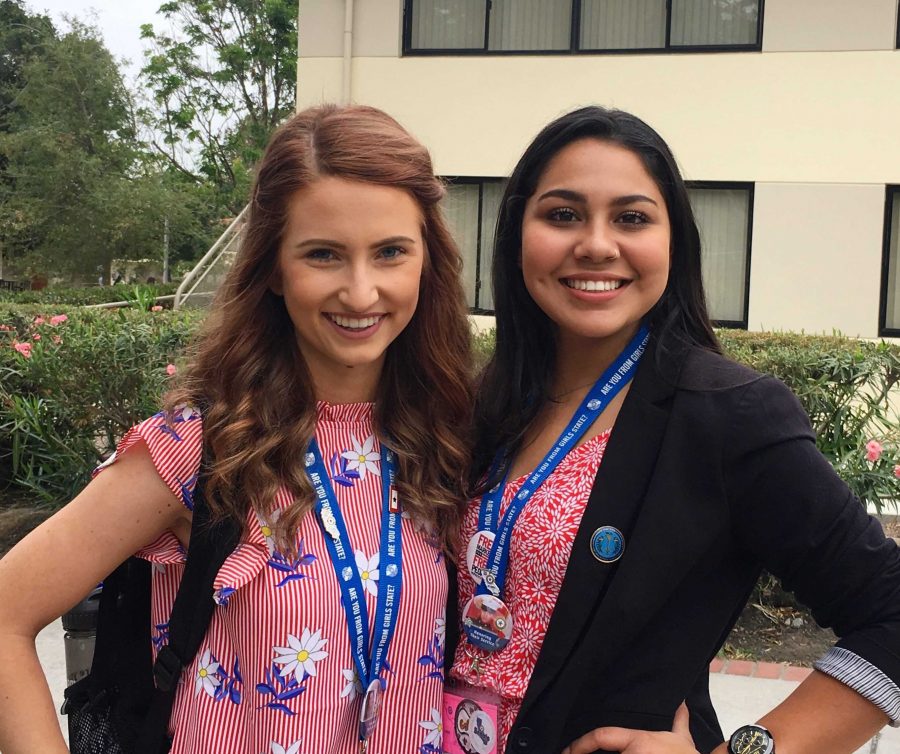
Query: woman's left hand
631	741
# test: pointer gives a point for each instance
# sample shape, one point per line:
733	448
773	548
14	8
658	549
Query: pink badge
469	721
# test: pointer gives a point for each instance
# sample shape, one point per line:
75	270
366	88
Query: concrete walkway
738	699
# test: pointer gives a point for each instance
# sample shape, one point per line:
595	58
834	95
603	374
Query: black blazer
712	474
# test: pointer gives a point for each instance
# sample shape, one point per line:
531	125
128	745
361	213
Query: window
889	319
724	214
569	26
471	208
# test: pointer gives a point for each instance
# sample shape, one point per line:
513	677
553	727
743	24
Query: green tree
22	38
79	190
221	85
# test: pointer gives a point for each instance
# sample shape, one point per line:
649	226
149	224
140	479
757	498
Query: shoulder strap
192	612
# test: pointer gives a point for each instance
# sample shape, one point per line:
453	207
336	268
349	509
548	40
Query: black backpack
123	706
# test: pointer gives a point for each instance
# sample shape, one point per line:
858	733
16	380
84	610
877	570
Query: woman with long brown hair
324	406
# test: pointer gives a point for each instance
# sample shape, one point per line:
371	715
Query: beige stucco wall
794	25
818	117
376	28
816	259
813	126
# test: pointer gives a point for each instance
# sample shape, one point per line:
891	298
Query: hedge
85	380
85	296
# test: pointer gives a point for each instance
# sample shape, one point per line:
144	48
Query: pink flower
897	471
39	320
58	319
36	336
156	308
873	450
171	369
5	328
24	349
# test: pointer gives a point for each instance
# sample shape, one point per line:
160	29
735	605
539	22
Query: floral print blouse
275	674
539	550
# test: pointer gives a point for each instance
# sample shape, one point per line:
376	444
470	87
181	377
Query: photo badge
487	622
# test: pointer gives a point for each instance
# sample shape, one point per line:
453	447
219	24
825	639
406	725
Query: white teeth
594	285
352	323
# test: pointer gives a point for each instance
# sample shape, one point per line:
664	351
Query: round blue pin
607	544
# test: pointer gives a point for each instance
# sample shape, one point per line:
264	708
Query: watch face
751	739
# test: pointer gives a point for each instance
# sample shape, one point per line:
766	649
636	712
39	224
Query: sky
119	22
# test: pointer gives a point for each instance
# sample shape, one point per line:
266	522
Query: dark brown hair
516	381
249	375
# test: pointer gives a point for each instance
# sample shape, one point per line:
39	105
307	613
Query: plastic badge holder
469	721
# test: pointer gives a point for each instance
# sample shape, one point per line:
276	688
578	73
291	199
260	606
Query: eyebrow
337	245
575	196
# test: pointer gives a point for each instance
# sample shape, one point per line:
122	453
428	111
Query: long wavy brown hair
248	374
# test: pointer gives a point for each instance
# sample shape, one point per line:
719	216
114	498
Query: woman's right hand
633	741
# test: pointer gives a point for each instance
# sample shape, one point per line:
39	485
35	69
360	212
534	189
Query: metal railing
200	283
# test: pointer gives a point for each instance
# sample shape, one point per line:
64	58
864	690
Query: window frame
407	50
750	187
470	180
891	191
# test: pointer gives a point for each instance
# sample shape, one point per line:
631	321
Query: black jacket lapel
615	500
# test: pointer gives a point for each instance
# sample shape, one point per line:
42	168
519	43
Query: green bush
64	406
85	296
848	387
69	389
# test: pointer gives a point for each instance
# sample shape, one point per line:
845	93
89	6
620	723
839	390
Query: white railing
200	283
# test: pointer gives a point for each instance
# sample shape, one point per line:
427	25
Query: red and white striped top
539	550
275	674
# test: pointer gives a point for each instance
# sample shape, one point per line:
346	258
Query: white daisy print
435	730
440	629
206	675
362	457
352	686
277	748
267	527
368	571
183	412
301	655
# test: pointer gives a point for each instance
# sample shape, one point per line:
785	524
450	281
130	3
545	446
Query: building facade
783	115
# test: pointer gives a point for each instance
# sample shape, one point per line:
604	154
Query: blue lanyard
599	396
328	512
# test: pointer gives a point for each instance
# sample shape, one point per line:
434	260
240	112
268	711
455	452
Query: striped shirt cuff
864	678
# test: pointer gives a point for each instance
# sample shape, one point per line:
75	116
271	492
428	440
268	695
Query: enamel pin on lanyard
487	620
368	660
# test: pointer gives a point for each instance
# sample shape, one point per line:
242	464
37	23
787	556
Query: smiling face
349	268
595	243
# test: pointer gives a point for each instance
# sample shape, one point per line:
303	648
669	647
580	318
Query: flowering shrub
67	395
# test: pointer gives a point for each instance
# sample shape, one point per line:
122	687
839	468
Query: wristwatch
751	739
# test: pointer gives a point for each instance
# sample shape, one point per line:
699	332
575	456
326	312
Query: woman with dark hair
633	482
325	404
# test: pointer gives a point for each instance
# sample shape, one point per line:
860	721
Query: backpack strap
209	546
